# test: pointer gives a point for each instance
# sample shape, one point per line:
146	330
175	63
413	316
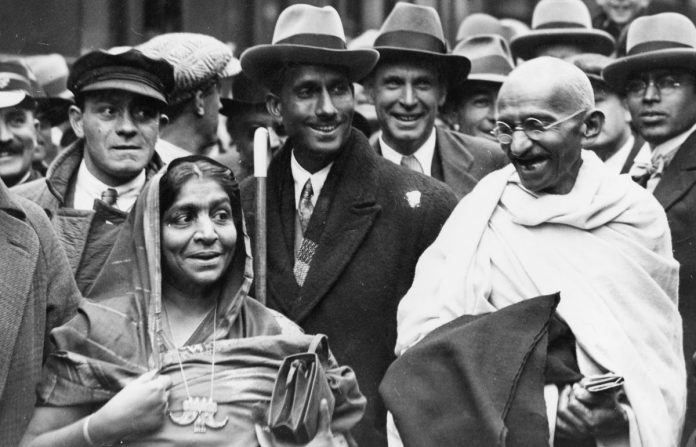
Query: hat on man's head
307	34
490	57
51	71
592	65
245	94
562	22
131	71
413	32
481	23
15	83
657	41
199	61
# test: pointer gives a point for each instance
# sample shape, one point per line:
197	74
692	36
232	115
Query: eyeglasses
665	85
532	128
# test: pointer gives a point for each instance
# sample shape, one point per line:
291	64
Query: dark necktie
305	208
412	163
109	196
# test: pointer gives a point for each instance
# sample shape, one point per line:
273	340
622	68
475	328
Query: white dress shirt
88	188
301	175
424	154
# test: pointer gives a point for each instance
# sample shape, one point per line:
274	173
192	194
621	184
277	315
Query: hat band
411	40
493	64
550	25
314	40
656	45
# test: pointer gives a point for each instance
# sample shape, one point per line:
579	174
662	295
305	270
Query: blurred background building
72	27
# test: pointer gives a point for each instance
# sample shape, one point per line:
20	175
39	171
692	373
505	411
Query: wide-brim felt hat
15	83
480	23
246	94
562	22
666	40
490	57
414	32
306	34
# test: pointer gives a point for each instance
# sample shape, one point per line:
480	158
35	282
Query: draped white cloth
605	246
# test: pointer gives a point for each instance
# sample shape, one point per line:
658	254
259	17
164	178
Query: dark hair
181	170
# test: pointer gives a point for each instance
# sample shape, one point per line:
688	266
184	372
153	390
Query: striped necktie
412	163
305	208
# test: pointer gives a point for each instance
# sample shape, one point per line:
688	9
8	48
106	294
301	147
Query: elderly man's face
475	112
17	141
316	108
407	96
120	130
551	163
622	11
662	113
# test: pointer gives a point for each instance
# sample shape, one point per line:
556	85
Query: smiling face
407	96
198	235
315	105
120	130
475	111
17	141
622	11
659	115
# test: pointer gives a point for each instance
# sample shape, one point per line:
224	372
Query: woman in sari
170	349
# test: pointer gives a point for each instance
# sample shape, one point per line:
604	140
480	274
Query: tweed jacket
380	220
37	293
53	194
462	160
676	191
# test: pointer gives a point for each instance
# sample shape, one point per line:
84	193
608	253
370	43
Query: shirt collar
88	188
668	149
424	154
301	175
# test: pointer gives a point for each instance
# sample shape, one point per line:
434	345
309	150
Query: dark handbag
301	384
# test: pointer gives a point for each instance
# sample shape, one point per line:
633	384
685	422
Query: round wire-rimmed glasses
532	127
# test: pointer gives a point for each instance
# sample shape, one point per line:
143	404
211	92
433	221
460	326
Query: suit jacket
462	160
37	293
638	143
676	191
379	222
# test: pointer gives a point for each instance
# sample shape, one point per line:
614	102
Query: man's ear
76	121
274	107
164	120
592	126
199	103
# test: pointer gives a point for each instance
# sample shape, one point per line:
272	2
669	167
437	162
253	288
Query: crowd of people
491	242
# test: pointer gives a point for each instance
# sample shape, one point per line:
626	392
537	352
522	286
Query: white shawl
605	246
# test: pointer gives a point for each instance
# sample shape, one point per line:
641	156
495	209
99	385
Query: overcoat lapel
19	239
679	176
455	162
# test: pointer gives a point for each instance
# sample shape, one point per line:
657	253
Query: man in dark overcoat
408	86
658	78
345	226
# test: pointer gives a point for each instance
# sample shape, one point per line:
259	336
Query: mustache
12	147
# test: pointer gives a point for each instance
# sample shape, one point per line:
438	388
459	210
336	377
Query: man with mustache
18	126
345	226
91	186
658	79
557	221
408	86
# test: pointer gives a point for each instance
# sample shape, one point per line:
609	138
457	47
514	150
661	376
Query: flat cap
198	60
130	70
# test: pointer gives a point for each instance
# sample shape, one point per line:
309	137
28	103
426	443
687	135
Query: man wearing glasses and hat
92	185
556	221
345	226
408	86
658	78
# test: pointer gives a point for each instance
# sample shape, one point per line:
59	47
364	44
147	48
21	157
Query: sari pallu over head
118	335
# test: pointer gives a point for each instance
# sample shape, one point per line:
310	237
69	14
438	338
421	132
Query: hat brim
590	40
261	62
128	86
487	77
456	67
12	98
616	73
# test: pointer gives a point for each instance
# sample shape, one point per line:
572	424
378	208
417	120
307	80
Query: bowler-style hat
490	57
199	61
414	32
51	71
660	40
306	34
15	83
559	22
245	95
130	71
481	23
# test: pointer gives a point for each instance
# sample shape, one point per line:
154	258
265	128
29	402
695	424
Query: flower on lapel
413	198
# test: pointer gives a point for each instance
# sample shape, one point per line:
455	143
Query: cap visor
128	86
12	98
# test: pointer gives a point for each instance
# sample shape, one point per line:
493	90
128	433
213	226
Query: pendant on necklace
199	411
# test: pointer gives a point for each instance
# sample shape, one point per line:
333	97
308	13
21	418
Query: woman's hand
582	414
139	408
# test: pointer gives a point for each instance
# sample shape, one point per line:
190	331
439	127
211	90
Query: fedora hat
307	34
481	23
246	94
490	57
660	40
413	32
592	65
558	22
